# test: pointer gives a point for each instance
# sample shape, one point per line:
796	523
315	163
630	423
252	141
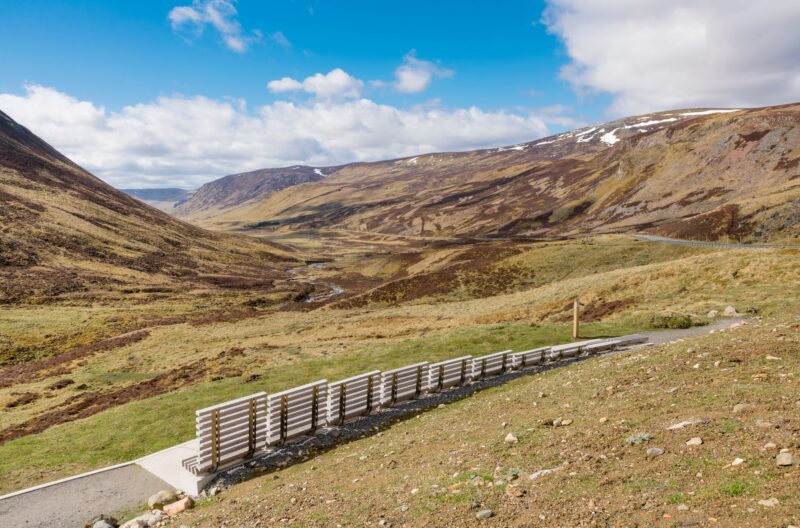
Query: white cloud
655	55
219	14
336	84
187	141
285	84
414	75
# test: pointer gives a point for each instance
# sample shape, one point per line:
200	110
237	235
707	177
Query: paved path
719	245
75	502
658	337
72	503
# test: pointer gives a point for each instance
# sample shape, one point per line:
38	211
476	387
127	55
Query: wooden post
575	322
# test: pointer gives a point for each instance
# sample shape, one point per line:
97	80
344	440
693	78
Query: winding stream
305	272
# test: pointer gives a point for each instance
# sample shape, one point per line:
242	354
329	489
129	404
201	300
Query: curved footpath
719	245
72	502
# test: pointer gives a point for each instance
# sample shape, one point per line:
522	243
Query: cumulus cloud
336	84
654	55
285	84
187	141
219	14
414	75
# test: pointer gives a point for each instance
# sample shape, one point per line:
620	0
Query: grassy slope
294	347
139	428
418	472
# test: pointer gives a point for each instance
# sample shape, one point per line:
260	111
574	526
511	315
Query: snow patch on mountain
708	112
609	138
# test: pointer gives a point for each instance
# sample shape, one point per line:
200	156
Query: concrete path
74	502
658	337
719	245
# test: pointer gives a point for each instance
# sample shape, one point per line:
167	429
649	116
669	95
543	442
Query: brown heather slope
693	174
237	189
64	233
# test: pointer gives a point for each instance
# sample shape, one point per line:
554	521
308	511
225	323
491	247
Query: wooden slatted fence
234	430
352	397
491	364
450	373
229	431
296	412
404	383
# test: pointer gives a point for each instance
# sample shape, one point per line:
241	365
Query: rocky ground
702	431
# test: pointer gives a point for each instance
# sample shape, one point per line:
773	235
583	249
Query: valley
118	321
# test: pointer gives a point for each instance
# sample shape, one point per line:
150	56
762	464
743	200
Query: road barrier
235	430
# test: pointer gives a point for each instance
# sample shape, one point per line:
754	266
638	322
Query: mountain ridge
688	173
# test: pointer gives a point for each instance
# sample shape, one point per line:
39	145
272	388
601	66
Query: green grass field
136	429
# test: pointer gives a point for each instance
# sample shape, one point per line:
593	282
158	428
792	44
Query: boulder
653	452
696	441
784	459
484	514
712	314
146	520
511	438
163	497
741	407
730	311
178	507
102	521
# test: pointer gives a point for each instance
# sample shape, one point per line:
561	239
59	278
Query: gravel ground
75	502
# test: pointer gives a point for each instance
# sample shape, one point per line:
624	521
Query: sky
176	93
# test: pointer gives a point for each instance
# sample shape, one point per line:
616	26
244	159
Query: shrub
671	321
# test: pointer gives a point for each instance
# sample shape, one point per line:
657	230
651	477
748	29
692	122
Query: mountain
64	232
697	173
165	199
238	189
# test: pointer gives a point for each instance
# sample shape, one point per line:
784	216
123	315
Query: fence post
214	440
394	388
369	395
575	319
284	418
251	427
343	401
314	407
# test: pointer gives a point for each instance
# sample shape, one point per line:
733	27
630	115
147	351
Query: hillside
687	173
65	233
581	456
165	199
238	189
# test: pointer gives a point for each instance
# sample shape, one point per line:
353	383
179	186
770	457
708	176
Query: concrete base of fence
167	465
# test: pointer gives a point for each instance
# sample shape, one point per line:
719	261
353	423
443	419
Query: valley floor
119	377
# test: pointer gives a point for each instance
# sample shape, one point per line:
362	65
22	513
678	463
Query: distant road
721	245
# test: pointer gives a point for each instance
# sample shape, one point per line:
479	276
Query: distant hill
238	189
695	173
65	232
165	199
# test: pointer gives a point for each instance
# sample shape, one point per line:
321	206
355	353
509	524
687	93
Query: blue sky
120	53
156	93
